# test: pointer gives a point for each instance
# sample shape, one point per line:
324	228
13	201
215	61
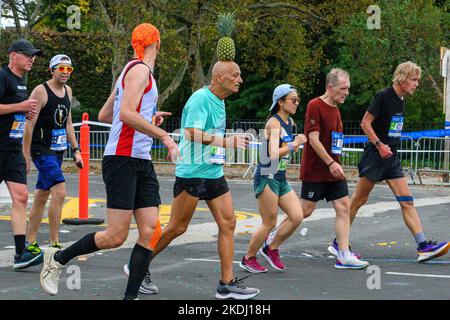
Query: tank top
49	135
124	140
273	170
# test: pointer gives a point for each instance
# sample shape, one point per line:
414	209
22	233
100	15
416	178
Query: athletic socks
344	254
419	237
19	241
83	246
139	262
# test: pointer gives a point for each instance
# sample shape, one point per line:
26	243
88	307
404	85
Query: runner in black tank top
15	107
270	185
45	141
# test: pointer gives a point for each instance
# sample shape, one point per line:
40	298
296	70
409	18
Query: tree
31	12
410	30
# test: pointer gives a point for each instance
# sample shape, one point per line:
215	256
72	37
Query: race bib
217	155
337	142
59	140
395	129
17	127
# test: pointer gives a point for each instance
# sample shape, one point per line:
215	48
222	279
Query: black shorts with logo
13	167
376	169
204	189
332	190
130	183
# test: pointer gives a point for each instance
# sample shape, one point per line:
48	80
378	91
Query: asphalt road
189	269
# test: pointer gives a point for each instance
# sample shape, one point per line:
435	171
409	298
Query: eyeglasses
294	100
64	69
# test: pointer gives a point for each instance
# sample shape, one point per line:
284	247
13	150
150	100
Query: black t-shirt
12	90
388	108
47	135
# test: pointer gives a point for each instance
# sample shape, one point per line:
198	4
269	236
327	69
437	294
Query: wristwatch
377	143
75	150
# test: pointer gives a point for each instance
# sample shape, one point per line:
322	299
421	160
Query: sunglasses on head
67	69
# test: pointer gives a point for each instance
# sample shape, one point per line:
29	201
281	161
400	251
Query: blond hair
406	70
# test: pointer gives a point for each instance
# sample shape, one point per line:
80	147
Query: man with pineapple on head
199	173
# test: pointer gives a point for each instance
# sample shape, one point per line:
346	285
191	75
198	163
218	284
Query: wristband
291	146
331	163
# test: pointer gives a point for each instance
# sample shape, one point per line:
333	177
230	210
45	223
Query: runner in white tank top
132	188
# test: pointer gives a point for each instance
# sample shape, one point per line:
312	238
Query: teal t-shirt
204	111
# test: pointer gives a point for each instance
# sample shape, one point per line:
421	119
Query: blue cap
281	91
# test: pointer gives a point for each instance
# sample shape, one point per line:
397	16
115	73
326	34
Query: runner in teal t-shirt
204	111
199	175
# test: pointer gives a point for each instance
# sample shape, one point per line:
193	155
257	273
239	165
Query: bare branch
173	86
278	5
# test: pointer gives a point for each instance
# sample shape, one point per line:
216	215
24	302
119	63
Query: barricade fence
423	155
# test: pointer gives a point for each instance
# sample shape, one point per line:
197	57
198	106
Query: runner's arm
40	95
136	81
106	112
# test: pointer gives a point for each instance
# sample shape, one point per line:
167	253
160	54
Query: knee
20	196
229	224
176	231
307	213
406	205
114	241
359	201
296	219
270	224
59	194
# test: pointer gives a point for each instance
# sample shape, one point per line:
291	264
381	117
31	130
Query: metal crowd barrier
428	154
432	155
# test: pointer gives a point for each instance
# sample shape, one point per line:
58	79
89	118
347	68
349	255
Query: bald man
199	172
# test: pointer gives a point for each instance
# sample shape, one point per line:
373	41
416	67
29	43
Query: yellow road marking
70	211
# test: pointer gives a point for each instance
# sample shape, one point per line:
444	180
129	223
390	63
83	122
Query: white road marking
418	275
208	260
207	232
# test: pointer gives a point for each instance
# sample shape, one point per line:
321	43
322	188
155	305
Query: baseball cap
24	46
59	58
281	91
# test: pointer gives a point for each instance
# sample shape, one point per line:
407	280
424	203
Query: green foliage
410	30
91	58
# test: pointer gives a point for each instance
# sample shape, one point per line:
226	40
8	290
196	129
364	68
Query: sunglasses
64	69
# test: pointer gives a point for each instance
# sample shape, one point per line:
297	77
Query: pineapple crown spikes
226	23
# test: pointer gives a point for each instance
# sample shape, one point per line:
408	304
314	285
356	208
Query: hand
29	107
337	171
78	159
237	141
385	151
174	153
299	140
159	117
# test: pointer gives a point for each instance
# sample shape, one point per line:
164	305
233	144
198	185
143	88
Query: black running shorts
316	191
376	169
204	189
13	167
130	183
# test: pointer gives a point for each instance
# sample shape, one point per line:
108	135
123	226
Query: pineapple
225	26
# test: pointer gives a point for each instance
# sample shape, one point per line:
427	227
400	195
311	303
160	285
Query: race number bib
395	129
284	161
337	142
217	155
59	140
17	127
